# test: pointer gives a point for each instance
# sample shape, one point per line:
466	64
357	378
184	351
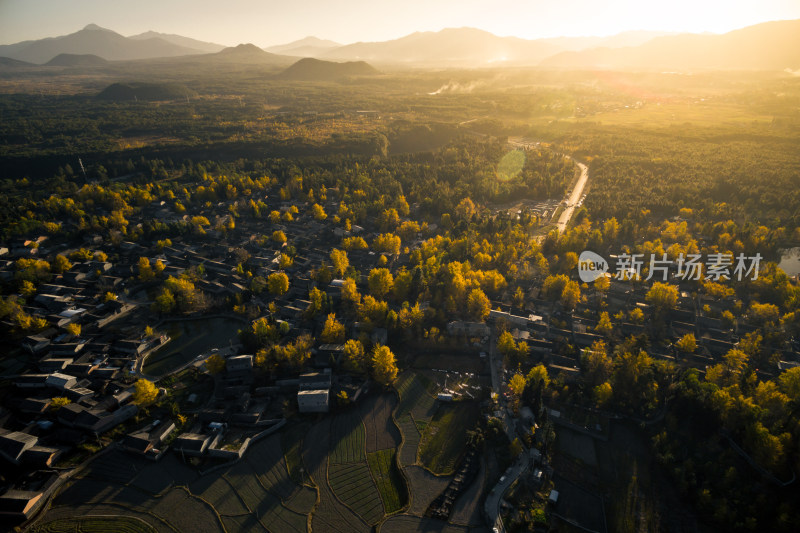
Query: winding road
573	197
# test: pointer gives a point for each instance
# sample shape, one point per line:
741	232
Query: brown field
376	411
424	487
468	509
405	523
330	515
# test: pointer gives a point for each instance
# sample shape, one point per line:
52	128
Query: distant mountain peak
311	69
95	27
244	48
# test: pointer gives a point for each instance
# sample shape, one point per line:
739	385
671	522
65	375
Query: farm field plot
302	501
347	438
113	512
220	494
376	411
154	479
280	519
247	485
329	515
291	440
242	523
424	487
186	512
115	466
445	436
86	491
468	509
353	484
405	523
89	524
265	459
411	436
415	399
390	483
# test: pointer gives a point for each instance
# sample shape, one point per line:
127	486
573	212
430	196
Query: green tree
603	394
317	299
258	284
164	302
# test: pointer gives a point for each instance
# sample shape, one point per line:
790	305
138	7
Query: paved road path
573	198
492	504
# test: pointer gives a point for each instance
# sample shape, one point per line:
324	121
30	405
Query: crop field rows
348	473
411	436
118	524
376	411
115	466
347	438
177	509
330	514
445	437
354	485
414	398
384	471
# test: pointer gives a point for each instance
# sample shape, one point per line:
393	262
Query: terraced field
411	436
384	471
257	493
354	485
348	472
415	399
347	438
330	514
376	412
88	524
445	436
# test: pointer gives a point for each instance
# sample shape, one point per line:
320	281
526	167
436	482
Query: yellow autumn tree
384	367
145	392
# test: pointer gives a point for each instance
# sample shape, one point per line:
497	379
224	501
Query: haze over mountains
307	47
769	46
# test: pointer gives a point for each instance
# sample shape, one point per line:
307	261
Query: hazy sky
267	22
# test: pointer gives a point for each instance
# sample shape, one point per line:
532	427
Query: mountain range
307	47
97	41
769	46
